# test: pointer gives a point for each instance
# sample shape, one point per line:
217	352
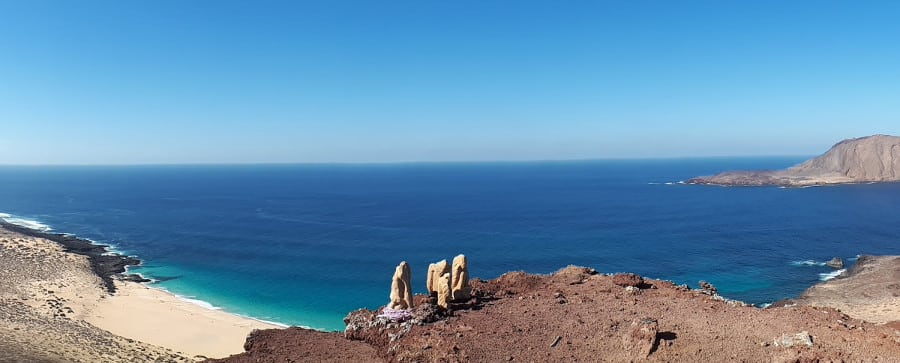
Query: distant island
870	159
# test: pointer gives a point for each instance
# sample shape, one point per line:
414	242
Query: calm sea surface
305	244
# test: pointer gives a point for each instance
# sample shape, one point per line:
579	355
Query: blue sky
120	82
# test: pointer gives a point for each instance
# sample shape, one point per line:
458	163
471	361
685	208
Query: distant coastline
870	159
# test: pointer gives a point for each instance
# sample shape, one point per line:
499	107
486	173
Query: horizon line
401	162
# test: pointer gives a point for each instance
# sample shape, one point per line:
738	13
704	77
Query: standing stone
461	290
435	271
401	290
443	290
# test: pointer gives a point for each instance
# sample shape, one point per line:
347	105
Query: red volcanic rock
578	315
628	279
301	345
640	340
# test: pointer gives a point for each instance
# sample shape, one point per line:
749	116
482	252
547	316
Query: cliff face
873	158
862	160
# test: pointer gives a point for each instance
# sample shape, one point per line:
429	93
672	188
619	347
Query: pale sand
54	308
158	317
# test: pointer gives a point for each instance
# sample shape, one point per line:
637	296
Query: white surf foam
27	223
825	276
807	263
200	303
208	306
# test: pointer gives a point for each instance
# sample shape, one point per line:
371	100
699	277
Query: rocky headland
578	314
870	290
871	159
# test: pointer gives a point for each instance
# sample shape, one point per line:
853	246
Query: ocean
306	244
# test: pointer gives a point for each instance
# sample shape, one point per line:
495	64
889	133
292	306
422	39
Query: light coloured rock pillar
401	290
435	271
460	284
442	284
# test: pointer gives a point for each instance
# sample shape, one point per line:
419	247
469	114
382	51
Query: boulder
836	262
401	290
708	288
628	279
435	271
641	339
444	292
460	283
794	340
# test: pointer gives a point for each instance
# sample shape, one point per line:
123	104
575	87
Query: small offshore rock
836	263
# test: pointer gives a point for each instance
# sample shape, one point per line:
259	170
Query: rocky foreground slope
577	314
862	160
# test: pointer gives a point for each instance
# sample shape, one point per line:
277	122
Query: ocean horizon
304	244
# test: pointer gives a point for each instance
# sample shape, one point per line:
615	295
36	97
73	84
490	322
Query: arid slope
862	160
579	315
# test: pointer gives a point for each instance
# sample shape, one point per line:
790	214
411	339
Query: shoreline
105	263
101	292
90	249
169	320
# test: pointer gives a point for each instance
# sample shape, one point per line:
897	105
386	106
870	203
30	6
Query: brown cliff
862	160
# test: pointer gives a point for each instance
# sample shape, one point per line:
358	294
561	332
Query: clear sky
178	81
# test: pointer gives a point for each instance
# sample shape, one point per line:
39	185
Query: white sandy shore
58	292
161	318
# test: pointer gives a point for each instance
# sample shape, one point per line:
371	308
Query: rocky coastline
575	314
106	264
871	159
578	314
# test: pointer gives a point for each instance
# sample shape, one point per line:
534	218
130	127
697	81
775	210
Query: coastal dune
55	308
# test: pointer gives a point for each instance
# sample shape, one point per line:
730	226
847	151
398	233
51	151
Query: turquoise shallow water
305	244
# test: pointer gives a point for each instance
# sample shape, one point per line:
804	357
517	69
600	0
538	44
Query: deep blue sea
305	244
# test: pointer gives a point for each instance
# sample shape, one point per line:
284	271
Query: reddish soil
578	315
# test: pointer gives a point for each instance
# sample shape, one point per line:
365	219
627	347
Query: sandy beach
157	317
54	308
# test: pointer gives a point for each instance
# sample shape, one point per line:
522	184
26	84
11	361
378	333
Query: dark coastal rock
105	264
708	288
301	345
863	160
836	262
